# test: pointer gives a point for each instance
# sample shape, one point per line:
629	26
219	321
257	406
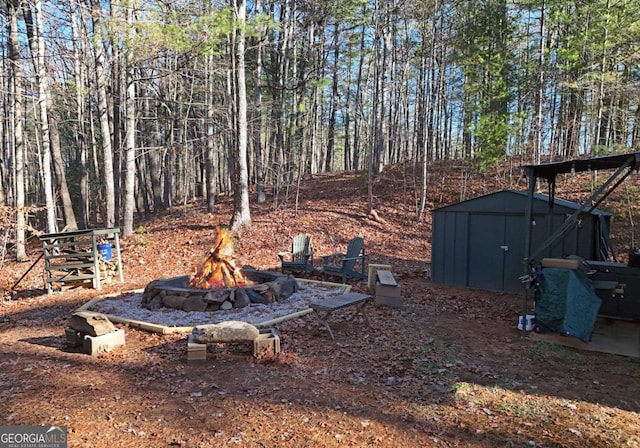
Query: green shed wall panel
479	243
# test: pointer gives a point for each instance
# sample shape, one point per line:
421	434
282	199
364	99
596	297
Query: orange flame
218	269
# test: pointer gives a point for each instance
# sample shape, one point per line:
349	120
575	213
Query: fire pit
219	284
127	308
218	291
263	287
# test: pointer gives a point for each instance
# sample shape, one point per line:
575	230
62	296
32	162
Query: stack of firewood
108	269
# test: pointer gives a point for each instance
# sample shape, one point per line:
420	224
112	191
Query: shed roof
523	194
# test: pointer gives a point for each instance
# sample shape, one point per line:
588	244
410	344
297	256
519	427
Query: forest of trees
113	108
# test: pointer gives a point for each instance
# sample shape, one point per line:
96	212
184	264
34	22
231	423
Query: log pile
66	276
108	269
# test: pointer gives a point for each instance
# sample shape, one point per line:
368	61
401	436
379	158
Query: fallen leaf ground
447	369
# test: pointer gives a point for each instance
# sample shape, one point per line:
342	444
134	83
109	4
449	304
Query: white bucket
529	322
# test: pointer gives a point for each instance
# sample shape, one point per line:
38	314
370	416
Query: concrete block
388	291
394	302
388	295
73	337
195	350
93	345
267	344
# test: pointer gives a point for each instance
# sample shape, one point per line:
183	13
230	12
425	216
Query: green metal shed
480	243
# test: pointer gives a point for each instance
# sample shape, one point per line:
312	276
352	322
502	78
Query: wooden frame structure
75	256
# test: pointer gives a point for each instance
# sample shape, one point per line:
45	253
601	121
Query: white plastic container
530	321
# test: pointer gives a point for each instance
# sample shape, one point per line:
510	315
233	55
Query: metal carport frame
623	164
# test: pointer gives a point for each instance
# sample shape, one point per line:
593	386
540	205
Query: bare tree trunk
427	98
333	104
17	107
80	140
103	115
130	134
348	150
50	135
379	104
116	105
6	142
53	139
574	112
241	214
153	157
97	210
210	144
380	100
36	44
58	166
359	101
257	119
541	87
600	133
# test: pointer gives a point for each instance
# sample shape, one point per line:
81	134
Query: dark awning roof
550	170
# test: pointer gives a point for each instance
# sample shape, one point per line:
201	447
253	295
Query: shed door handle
505	248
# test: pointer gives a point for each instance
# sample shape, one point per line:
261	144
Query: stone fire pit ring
263	287
120	307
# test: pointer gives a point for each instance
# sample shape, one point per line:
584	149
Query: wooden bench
323	308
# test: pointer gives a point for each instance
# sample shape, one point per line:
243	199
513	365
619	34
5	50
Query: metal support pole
528	214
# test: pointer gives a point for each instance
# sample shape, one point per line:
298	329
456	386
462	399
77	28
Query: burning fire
218	269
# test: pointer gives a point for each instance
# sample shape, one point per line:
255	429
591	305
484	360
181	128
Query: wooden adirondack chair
300	258
350	264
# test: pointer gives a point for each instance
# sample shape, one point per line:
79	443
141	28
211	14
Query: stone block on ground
73	337
241	299
229	331
91	323
155	303
196	351
173	301
194	303
93	345
267	344
288	286
150	292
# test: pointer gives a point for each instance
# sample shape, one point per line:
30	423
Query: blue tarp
567	303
